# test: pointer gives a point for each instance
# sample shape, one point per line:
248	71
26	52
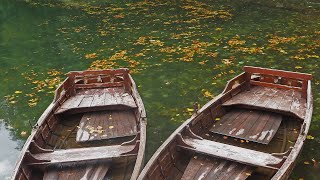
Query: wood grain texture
233	153
208	168
95	98
253	125
106	125
83	154
278	100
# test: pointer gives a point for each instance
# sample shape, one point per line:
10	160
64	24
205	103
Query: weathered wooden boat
95	128
254	129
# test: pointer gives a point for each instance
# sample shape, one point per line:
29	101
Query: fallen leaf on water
18	92
310	137
23	133
190	109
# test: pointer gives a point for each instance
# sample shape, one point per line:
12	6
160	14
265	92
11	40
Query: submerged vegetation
179	52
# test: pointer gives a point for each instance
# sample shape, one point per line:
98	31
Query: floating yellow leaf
190	109
23	133
18	92
298	67
310	137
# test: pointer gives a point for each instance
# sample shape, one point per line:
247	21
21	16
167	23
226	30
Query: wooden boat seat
208	168
106	125
78	155
89	172
253	125
278	100
232	153
86	100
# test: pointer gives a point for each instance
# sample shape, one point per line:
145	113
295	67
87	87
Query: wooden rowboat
95	128
254	129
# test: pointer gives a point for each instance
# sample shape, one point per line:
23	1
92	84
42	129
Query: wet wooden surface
90	172
106	125
271	98
233	153
86	98
207	168
83	154
252	125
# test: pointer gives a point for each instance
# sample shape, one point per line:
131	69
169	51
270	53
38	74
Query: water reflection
9	151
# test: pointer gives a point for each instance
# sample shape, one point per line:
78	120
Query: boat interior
246	133
93	134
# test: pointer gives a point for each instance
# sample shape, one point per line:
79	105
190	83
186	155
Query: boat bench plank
253	125
106	125
83	154
207	168
233	153
93	98
279	100
90	172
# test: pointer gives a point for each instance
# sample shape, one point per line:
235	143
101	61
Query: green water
178	51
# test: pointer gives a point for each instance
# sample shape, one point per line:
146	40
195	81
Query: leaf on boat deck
111	127
306	162
217	119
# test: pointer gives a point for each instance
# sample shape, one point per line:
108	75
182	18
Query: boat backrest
277	79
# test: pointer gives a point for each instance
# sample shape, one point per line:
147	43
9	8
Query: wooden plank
219	171
233	122
233	153
98	72
272	85
207	167
241	173
98	100
83	133
83	154
89	172
225	120
253	134
192	168
98	85
106	125
243	127
279	100
274	128
73	102
274	72
250	125
86	101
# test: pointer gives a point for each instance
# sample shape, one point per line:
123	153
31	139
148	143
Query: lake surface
179	52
